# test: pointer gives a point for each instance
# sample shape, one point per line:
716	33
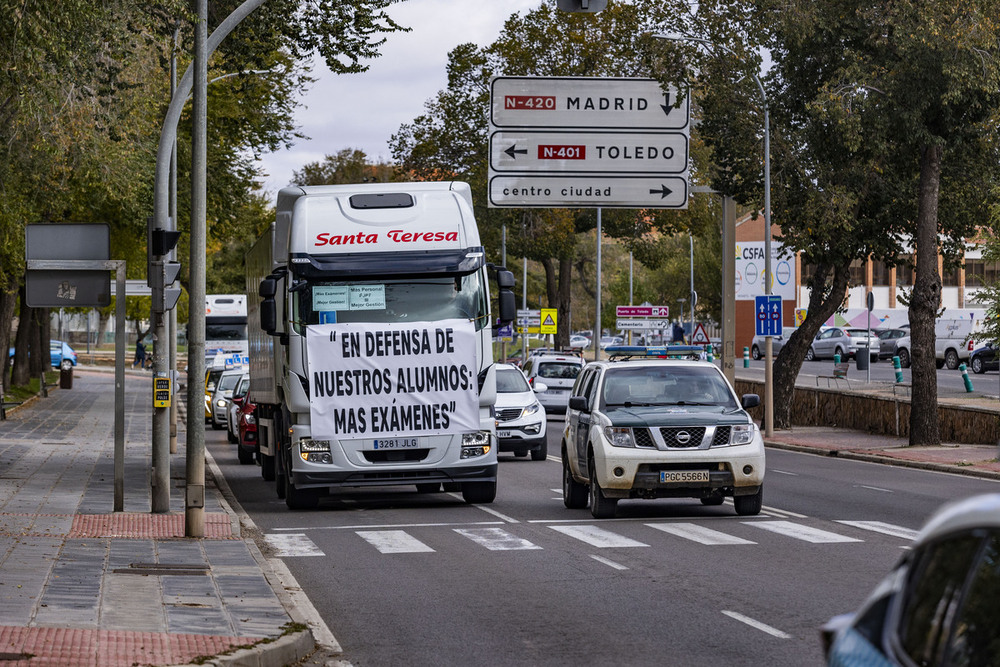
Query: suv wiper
686	403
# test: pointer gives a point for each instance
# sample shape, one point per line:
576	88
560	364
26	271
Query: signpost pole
597	290
120	324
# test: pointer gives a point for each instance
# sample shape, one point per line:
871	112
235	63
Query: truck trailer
370	333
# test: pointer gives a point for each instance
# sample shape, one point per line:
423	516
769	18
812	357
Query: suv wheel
951	359
750	505
574	493
600	507
540	452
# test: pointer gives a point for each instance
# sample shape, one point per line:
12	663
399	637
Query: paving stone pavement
81	585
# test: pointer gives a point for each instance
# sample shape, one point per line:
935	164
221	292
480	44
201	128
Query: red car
247	424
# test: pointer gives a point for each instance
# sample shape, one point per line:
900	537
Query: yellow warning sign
549	319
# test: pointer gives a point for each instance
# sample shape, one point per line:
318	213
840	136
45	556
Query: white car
659	428
220	397
520	417
579	342
557	371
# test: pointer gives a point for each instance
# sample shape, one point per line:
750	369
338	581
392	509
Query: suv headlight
742	434
619	436
531	409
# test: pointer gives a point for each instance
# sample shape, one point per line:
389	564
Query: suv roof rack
626	352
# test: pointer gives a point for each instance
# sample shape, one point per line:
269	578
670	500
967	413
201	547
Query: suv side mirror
750	401
578	403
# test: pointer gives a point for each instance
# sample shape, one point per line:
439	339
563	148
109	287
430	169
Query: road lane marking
783	513
488	510
293	545
884	528
876	488
763	627
700	534
783	472
800	532
394	542
610	563
496	539
397	525
597	537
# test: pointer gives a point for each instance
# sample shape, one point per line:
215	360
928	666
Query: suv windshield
396	300
665	385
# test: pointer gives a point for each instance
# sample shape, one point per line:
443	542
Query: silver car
759	345
845	342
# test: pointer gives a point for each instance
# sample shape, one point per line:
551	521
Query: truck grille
508	414
721	436
683	437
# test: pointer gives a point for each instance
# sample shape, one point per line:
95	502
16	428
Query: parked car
846	342
759	345
520	417
645	427
223	392
61	355
557	372
579	342
607	341
940	605
233	410
984	359
887	341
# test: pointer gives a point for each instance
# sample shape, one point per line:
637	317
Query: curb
285	650
967	471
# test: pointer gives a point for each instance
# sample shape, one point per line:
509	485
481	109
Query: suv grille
683	437
508	414
721	436
643	438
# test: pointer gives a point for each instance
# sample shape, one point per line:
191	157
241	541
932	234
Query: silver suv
557	371
660	428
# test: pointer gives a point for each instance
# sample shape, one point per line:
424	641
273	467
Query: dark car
887	341
940	605
984	359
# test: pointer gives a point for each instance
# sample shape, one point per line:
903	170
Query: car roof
981	511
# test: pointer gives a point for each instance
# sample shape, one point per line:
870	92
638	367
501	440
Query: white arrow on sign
529	190
612	152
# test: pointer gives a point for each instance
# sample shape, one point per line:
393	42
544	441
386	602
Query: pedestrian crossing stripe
884	528
292	544
597	537
700	534
394	541
496	539
800	532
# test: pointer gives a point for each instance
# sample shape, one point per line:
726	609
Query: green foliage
346	166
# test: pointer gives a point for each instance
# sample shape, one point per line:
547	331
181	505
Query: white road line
884	528
800	532
394	542
783	513
610	563
554	459
763	627
700	534
783	472
559	491
597	537
876	488
296	544
397	525
489	510
496	539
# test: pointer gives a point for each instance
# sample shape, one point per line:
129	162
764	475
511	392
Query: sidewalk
81	585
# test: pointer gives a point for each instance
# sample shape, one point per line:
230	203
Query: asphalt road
424	579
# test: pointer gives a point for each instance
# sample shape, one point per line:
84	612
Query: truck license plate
683	476
396	443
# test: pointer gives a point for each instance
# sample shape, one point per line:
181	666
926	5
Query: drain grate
163	569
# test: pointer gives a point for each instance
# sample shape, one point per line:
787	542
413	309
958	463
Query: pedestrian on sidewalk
140	354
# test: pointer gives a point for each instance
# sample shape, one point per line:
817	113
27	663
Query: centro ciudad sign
588	142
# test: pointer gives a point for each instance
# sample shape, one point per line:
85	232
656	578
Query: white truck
370	342
954	341
225	325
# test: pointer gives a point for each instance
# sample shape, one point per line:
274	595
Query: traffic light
582	5
161	273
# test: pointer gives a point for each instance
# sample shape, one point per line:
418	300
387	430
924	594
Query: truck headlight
475	444
742	434
315	451
619	436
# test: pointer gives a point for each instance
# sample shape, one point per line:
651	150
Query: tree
450	139
349	165
883	117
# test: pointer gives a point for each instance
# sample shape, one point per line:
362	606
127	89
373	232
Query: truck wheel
600	507
267	467
479	492
951	359
300	499
750	505
574	493
540	452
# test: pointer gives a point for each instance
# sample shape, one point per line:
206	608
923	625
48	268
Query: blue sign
768	315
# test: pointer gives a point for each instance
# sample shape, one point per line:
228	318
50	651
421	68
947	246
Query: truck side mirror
268	288
505	279
268	316
507	302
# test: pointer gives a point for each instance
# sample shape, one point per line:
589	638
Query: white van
557	371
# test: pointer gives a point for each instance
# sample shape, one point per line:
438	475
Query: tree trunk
925	427
563	303
8	302
102	327
823	303
20	375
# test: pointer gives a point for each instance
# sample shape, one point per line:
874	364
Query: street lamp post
768	372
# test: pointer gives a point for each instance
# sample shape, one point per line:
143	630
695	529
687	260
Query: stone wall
880	414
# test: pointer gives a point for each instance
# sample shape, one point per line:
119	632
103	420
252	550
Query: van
558	373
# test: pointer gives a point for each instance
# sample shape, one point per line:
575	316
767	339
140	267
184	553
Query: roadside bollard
746	357
836	360
708	351
965	377
898	368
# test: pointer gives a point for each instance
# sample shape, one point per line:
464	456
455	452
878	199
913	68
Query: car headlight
742	434
221	402
531	409
619	436
249	420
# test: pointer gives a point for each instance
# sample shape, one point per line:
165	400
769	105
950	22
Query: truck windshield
403	300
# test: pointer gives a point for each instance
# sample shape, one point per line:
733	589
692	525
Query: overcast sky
364	110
